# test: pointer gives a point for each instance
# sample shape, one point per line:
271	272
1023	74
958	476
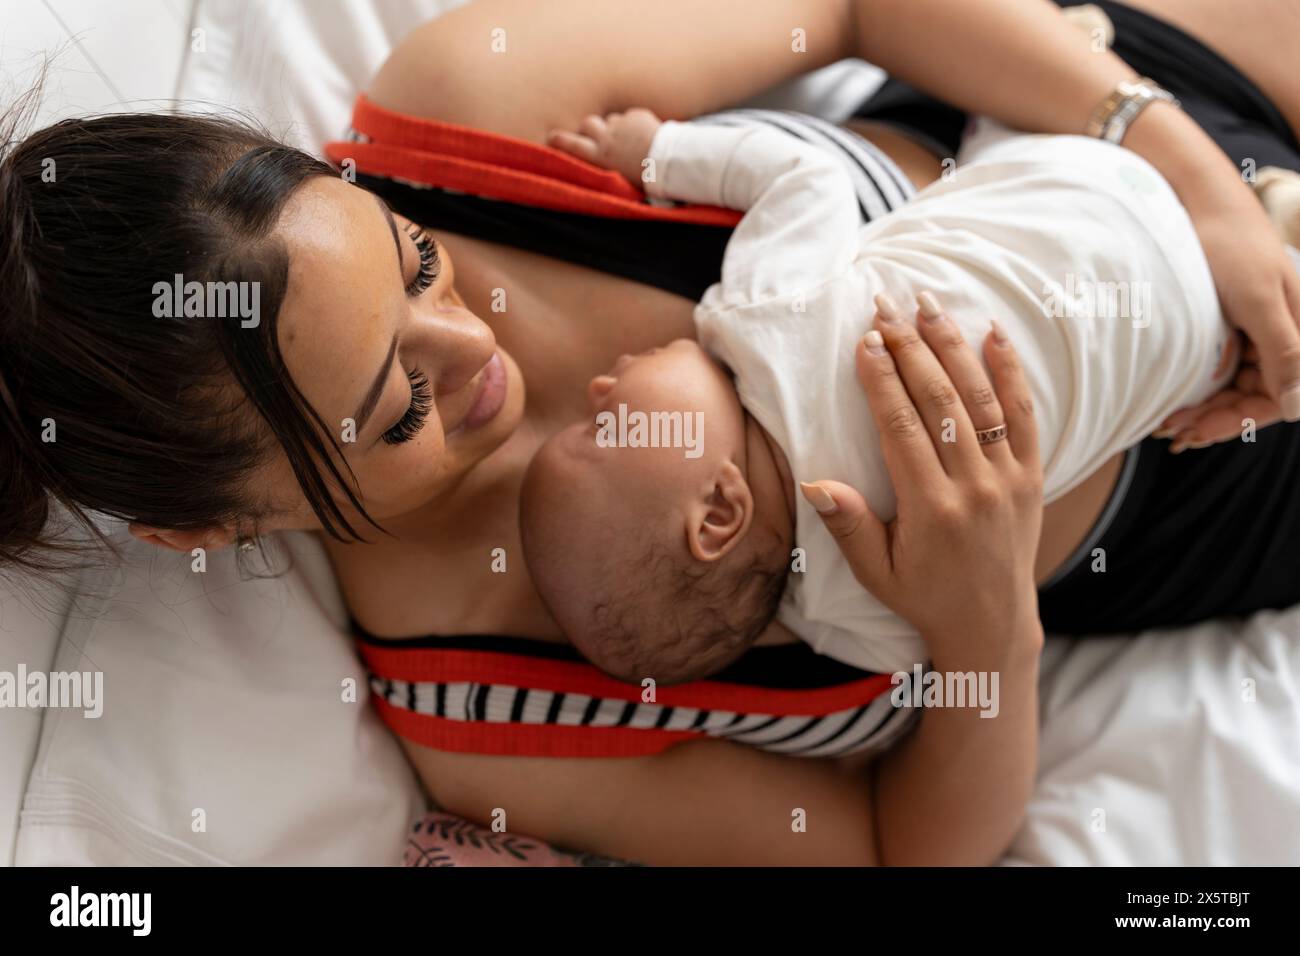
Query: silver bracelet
1112	118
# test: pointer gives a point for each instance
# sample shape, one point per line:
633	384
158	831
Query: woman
368	338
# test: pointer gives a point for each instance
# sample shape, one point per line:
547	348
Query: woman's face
378	340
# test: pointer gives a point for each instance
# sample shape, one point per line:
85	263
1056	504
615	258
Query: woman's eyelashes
417	413
430	263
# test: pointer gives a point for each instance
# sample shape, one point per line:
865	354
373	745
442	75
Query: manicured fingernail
1186	441
929	306
1164	433
888	309
999	333
1291	402
874	343
819	498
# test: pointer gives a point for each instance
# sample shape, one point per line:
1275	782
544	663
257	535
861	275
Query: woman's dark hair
145	421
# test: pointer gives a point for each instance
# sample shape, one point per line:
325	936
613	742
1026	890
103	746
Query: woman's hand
1260	294
1223	415
958	560
958	563
1258	287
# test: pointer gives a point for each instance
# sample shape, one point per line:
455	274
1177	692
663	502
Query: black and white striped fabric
872	726
881	186
516	684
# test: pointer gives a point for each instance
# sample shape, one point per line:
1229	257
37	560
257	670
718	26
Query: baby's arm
801	221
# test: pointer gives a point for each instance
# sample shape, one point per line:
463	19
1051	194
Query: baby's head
642	530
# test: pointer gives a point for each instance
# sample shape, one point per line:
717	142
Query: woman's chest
563	323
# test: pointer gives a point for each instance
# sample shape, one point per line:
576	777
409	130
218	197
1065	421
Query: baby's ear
717	522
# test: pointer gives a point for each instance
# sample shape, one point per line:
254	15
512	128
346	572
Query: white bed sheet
1170	748
1153	751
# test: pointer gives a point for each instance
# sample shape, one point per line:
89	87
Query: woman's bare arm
1020	62
704	803
565	59
524	68
955	791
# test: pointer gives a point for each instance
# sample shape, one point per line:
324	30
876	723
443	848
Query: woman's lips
491	395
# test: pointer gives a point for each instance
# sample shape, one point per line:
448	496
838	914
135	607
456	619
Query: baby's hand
619	141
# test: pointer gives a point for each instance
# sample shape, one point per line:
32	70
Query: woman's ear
718	522
213	539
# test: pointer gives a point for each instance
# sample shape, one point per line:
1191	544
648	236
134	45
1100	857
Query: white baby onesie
1077	247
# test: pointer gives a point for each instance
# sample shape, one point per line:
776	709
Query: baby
663	531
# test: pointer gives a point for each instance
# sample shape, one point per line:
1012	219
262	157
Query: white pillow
295	65
31	620
225	735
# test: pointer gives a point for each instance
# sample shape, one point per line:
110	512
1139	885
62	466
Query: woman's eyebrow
392	227
376	389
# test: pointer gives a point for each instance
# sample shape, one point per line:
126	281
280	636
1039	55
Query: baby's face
659	424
